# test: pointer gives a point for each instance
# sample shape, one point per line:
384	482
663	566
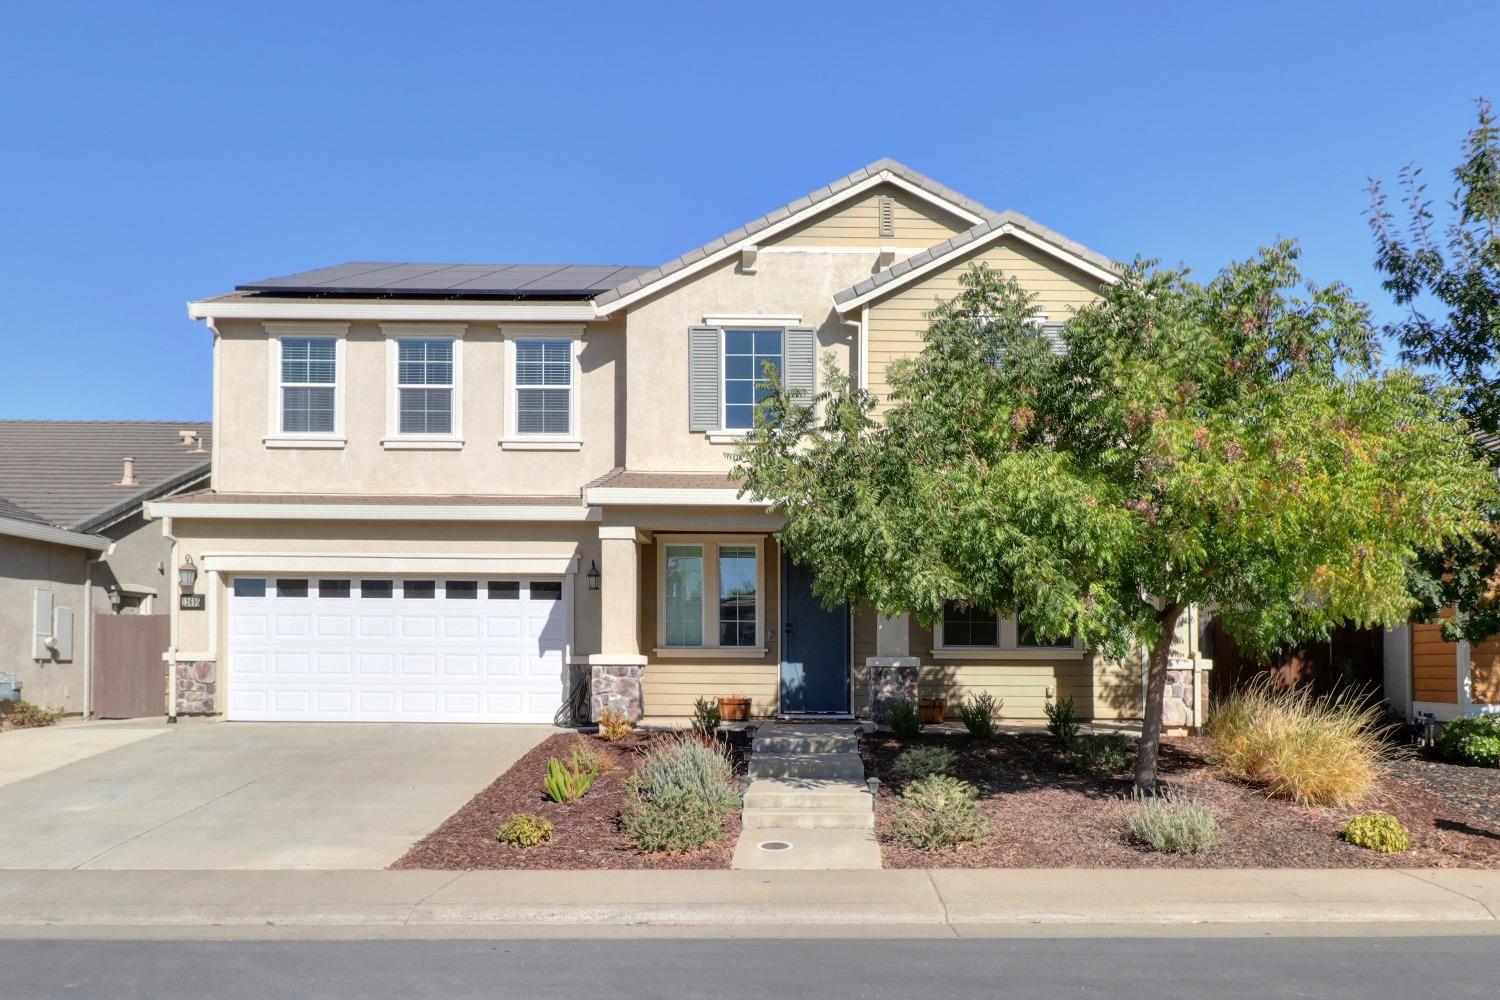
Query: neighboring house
461	492
74	541
1427	675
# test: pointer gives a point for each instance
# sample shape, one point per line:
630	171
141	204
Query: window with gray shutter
424	386
1053	333
703	378
748	355
544	387
309	380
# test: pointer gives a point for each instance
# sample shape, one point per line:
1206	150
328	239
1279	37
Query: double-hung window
309	385
709	594
967	626
747	353
424	386
544	387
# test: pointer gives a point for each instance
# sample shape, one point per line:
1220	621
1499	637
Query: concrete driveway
204	795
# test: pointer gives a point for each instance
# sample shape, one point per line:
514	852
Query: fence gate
130	677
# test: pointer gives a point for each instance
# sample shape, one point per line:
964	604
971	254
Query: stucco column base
892	678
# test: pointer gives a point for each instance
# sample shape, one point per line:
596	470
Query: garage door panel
484	652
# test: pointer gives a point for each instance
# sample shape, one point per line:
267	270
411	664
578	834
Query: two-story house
473	492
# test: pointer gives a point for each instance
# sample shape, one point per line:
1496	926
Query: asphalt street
1115	968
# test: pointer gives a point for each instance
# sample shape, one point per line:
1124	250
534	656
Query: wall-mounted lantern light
187	574
593	575
114	599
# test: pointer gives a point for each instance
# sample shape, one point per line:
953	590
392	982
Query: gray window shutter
705	378
801	362
1053	333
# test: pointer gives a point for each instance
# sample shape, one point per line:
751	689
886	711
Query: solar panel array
451	280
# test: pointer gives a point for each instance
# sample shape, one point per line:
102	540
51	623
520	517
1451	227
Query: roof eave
173	484
57	536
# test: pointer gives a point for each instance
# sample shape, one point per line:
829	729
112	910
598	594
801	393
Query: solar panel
450	280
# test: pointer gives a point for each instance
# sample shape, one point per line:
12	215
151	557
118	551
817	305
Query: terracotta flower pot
734	708
933	710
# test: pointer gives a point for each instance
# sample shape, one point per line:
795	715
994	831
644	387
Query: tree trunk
1156	699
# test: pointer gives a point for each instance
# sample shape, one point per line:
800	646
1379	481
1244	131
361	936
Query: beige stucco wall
141	558
898	322
25	566
244	464
796	284
918	223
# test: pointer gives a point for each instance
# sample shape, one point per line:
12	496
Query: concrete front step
806	739
844	764
807	819
808	793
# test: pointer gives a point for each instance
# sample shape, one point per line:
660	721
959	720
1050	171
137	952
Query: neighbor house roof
504	281
67	472
17	522
988	231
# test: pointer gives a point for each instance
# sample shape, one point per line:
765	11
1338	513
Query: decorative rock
197	687
617	687
892	679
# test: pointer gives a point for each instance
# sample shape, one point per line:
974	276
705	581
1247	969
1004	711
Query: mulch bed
588	831
1047	814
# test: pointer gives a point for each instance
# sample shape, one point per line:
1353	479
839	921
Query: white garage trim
398	565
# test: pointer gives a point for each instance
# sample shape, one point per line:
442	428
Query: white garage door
396	650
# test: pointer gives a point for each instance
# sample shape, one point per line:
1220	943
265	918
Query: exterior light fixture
187	574
593	575
114	599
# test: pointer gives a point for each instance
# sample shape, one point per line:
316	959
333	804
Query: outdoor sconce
114	599
187	574
593	575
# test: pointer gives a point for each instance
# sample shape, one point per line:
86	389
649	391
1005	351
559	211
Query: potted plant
933	710
734	707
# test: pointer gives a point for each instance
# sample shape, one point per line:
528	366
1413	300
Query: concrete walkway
799	904
238	795
26	753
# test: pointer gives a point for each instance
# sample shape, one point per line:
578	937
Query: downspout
88	639
171	653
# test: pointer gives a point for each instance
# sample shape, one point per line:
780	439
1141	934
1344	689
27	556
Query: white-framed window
966	626
746	353
542	388
426	399
306	406
711	594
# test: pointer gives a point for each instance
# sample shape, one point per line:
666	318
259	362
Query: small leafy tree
1457	272
1229	444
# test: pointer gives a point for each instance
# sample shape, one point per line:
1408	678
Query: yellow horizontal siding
857	223
898	324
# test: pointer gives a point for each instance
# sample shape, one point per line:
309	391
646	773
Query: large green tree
1229	444
1450	282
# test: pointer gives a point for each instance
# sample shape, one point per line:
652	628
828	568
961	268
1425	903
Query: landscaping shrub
938	813
903	718
526	830
924	762
672	822
706	718
1173	825
1104	754
681	763
978	712
1060	720
1322	750
584	757
1472	740
613	726
1379	832
567	782
25	715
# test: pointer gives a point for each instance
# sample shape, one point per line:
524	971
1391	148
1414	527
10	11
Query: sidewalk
799	902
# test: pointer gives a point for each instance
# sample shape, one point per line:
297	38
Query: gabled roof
18	522
65	472
456	281
1003	224
845	187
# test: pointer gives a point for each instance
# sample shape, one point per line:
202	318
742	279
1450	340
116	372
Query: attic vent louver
886	209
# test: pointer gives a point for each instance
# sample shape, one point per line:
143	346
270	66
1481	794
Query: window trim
511	438
275	437
1008	646
725	432
394	439
710	544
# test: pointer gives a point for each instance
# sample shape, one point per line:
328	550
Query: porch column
894	672
616	672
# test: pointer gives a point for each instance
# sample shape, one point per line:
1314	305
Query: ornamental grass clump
679	796
1322	750
939	813
924	762
1173	825
1378	831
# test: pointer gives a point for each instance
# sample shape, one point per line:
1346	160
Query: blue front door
814	648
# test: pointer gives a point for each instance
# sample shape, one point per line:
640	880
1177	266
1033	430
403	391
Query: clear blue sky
154	153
